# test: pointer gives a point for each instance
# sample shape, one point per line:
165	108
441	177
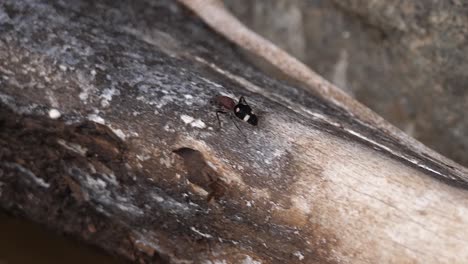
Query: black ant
241	110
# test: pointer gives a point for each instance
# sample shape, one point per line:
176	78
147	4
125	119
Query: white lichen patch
193	122
73	147
52	99
157	198
187	119
54	113
168	128
170	204
250	260
97	119
299	255
198	232
198	124
143	157
166	161
107	95
163	101
101	189
83	95
188	99
129	208
118	132
30	174
86	85
95	183
110	178
198	190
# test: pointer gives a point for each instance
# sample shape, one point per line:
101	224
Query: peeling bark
133	158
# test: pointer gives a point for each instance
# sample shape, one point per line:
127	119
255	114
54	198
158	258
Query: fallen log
107	134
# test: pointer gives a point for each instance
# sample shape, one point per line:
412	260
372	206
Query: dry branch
132	162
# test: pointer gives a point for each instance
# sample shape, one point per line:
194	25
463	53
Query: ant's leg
235	123
217	116
233	120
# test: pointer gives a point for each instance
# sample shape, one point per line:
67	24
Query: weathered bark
406	60
129	164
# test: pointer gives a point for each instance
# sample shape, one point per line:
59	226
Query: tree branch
133	160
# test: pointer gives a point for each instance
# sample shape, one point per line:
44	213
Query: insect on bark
240	109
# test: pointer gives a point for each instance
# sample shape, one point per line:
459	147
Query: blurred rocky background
405	59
